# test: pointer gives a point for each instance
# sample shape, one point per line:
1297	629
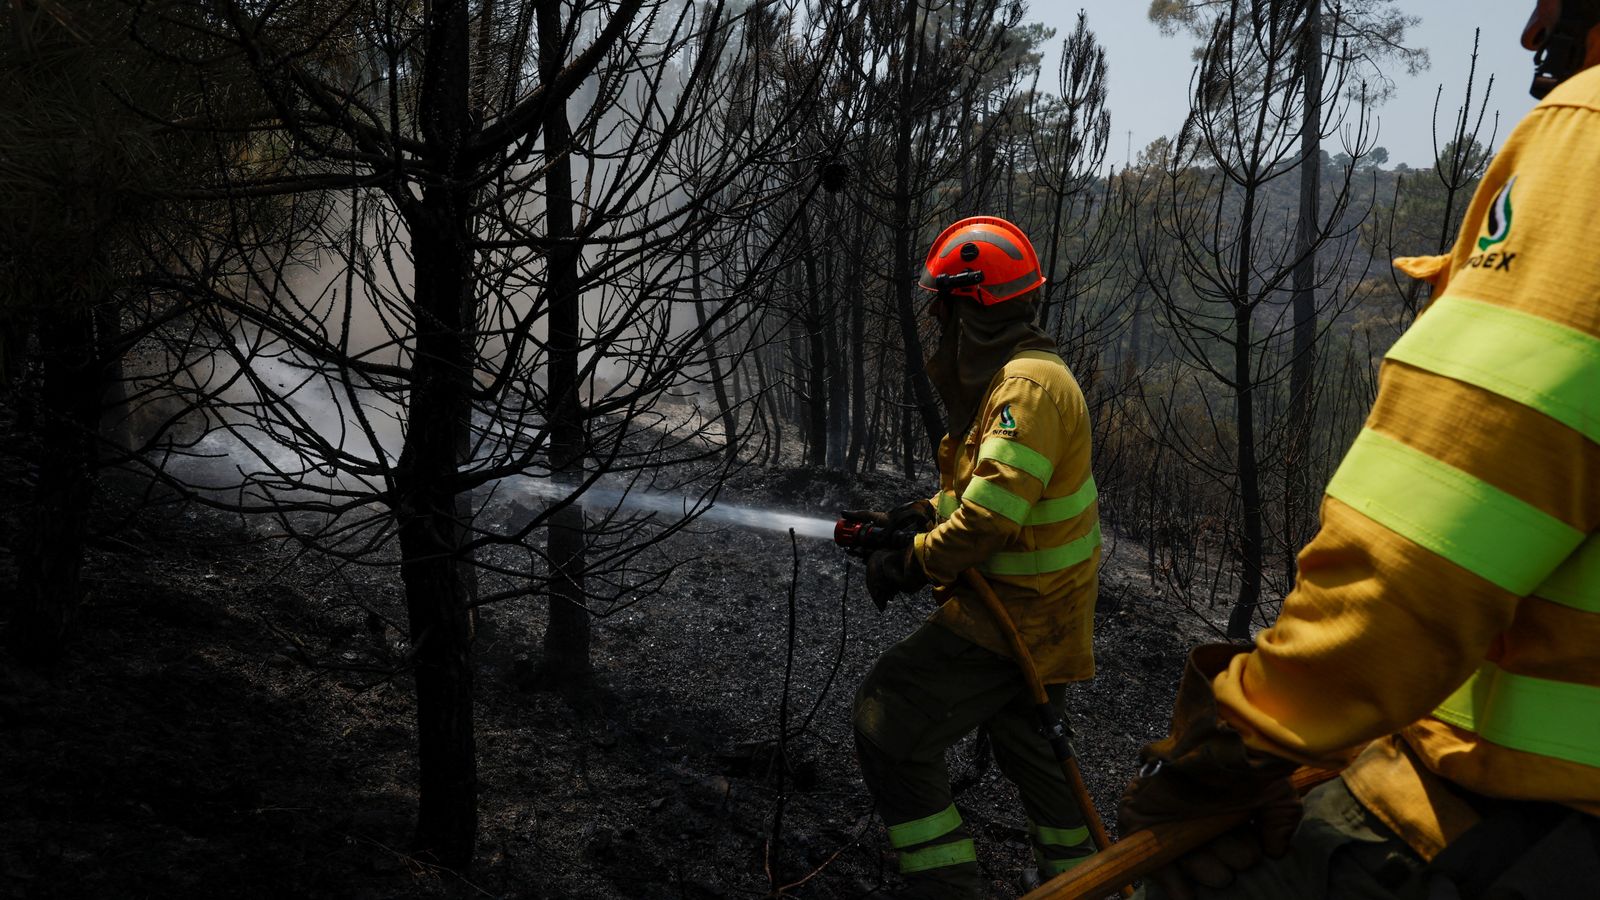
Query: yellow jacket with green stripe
1017	502
1448	611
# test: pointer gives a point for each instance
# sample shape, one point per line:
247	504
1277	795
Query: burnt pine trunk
919	390
567	638
1250	537
858	350
1297	475
838	388
908	436
1136	337
730	424
49	582
1057	210
430	532
816	321
116	423
875	428
766	400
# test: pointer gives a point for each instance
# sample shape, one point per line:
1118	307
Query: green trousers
1340	851
924	694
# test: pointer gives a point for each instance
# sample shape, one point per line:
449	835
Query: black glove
1204	769
917	515
891	572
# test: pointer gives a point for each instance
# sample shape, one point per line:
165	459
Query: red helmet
988	246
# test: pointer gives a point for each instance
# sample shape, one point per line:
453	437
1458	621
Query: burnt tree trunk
1057	210
1250	537
856	278
430	531
908	435
719	391
765	400
1298	487
567	638
919	390
816	322
49	578
116	422
838	386
875	429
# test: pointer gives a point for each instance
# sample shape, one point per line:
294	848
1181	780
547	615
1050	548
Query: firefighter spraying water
1011	545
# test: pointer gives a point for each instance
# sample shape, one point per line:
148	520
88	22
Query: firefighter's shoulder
1051	375
1040	366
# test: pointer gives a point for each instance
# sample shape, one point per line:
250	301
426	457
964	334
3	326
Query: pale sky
1149	74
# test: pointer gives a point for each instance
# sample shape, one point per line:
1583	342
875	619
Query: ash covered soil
229	724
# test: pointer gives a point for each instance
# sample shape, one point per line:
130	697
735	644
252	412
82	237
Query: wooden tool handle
1030	673
1147	850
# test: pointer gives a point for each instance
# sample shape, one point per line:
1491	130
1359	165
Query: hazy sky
1149	73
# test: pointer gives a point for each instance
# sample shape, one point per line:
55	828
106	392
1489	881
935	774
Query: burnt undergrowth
235	718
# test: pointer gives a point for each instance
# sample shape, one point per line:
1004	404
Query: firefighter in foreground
1445	628
1016	501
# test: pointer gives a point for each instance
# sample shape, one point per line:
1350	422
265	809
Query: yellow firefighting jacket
1016	501
1449	608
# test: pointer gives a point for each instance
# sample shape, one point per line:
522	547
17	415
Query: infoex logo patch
1499	223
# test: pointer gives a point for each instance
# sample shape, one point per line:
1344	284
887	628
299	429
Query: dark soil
231	723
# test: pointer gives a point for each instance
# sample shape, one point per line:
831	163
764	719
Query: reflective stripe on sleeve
992	496
1019	457
1536	362
1462	518
1041	562
1576	582
920	831
1060	509
1534	715
947	504
939	855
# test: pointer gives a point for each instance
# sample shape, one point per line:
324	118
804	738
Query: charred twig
775	838
838	658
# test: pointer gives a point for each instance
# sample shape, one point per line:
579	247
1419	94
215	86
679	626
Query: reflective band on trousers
1046	511
952	854
1535	715
1041	562
1576	582
925	829
1530	359
1060	837
1019	457
1074	840
1462	518
1054	867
